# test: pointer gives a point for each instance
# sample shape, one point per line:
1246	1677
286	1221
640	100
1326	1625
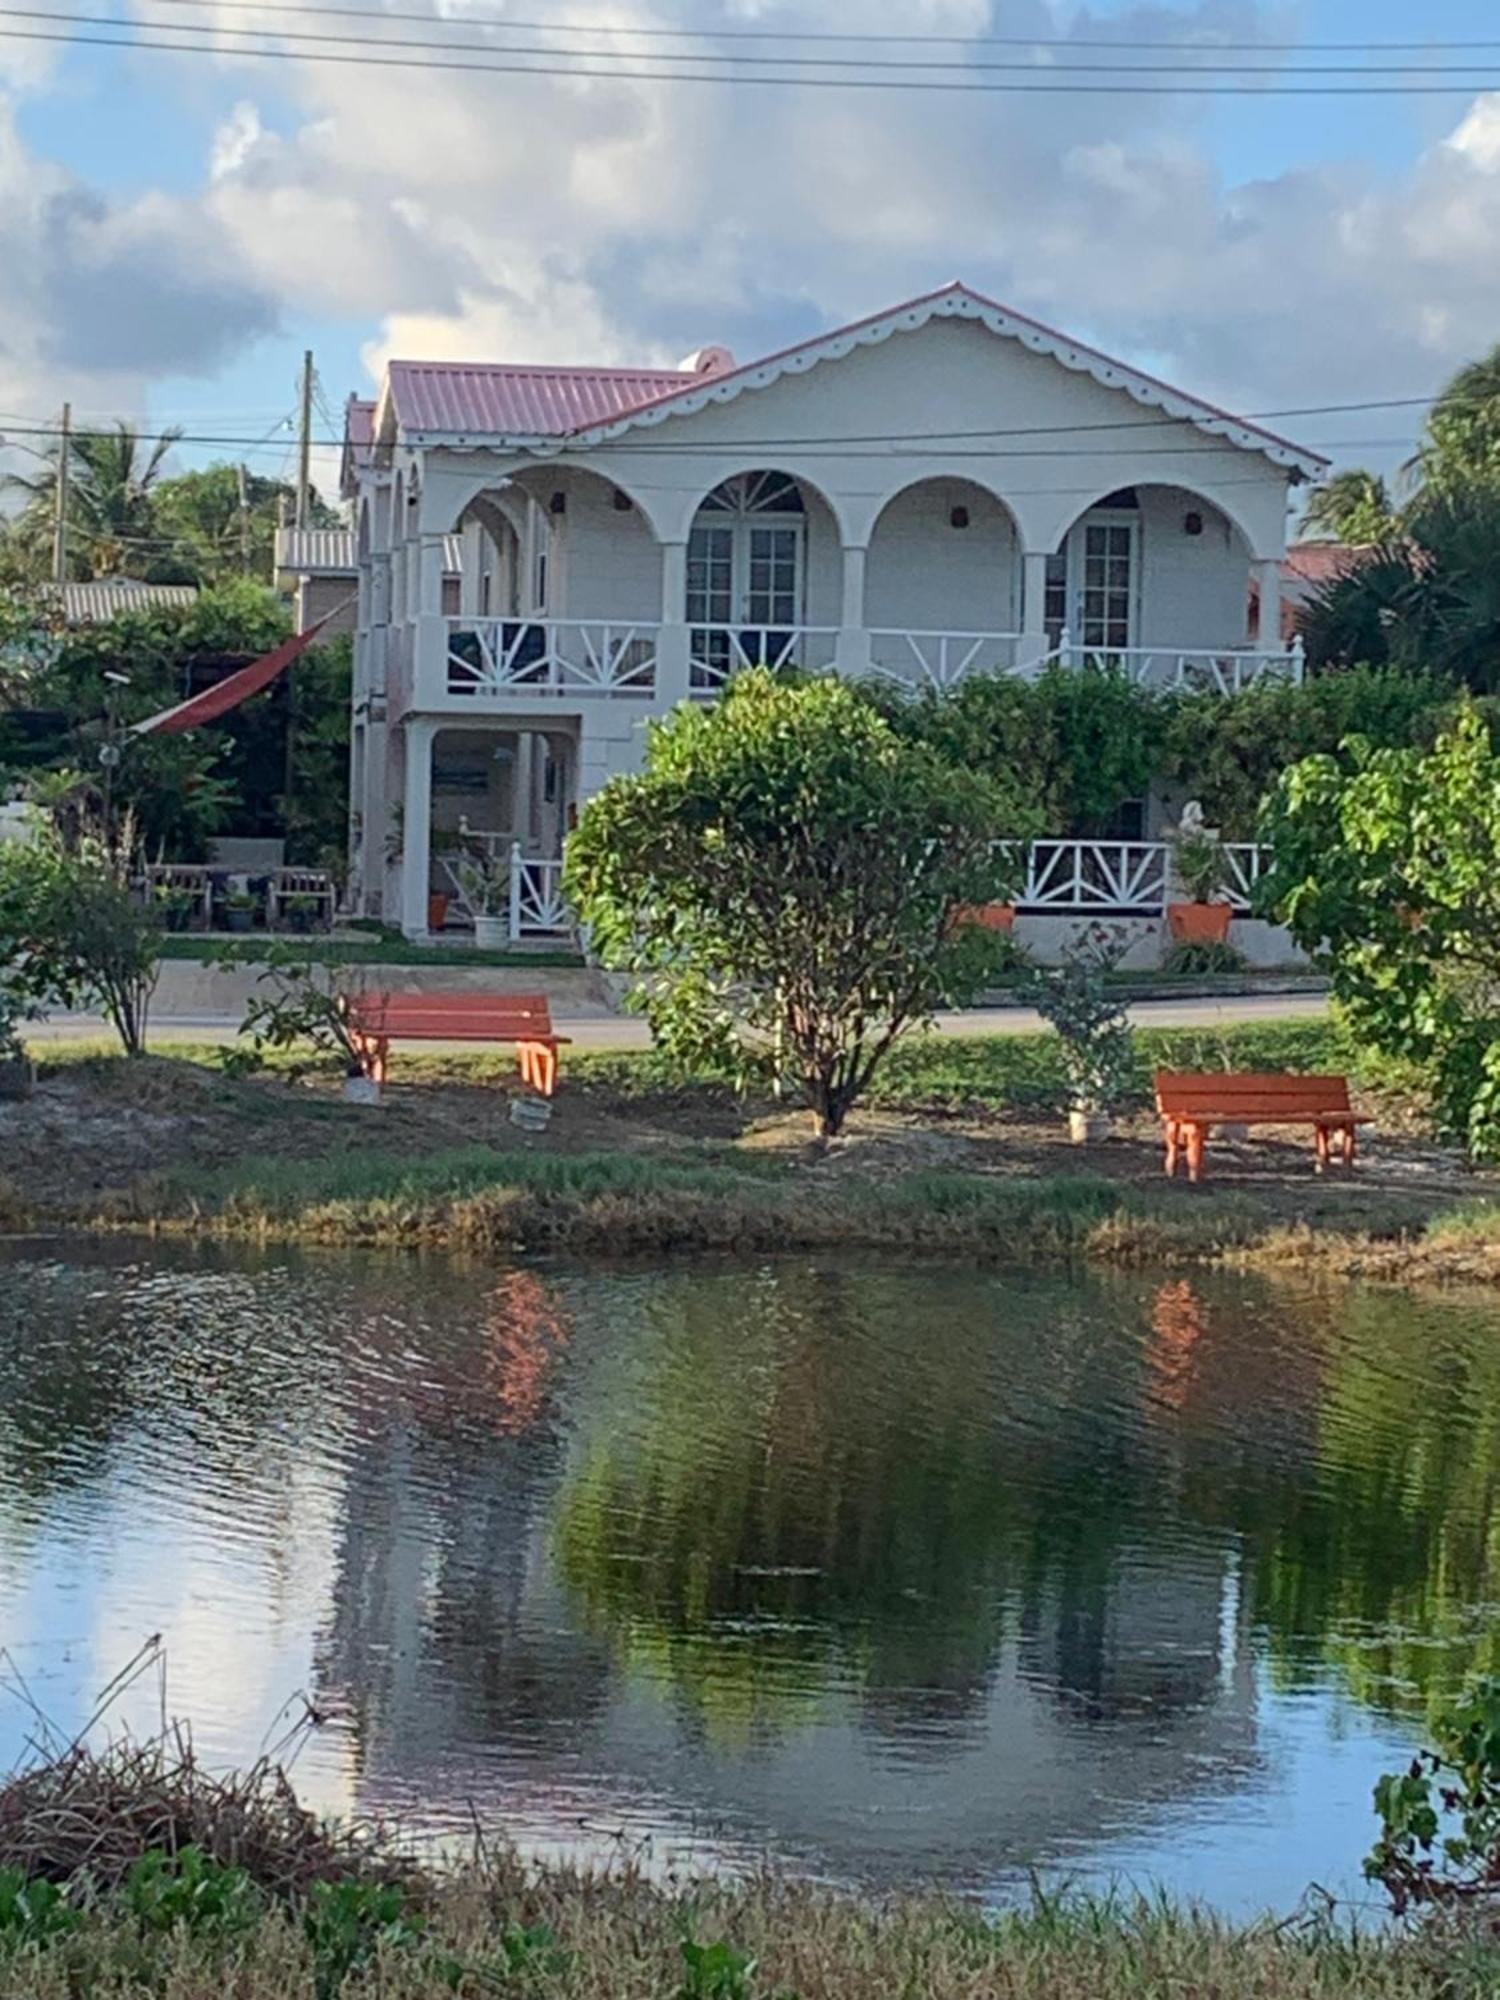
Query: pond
889	1573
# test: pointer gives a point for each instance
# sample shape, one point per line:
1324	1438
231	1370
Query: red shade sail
232	690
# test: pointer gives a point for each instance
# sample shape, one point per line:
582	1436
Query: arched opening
1149	569
763	577
943	583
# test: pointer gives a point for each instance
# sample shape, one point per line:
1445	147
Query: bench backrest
500	1017
1249	1094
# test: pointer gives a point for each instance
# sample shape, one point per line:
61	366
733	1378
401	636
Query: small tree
1387	867
73	930
1074	997
305	1002
783	878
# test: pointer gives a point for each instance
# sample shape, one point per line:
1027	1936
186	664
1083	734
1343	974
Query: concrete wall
605	564
1194	589
1263	946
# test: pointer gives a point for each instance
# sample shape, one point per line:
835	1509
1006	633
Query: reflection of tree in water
872	1480
879	1483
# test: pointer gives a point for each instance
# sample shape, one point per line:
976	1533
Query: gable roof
456	400
464	404
957	301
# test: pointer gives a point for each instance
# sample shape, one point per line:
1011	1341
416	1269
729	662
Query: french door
1103	583
745	561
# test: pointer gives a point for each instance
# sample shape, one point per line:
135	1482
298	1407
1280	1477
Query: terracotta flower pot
437	911
987	916
1199	923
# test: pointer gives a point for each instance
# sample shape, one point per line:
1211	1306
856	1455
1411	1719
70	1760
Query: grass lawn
385	947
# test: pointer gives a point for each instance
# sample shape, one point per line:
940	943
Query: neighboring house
944	489
318	573
106	597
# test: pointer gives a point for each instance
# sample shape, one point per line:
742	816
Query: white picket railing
534	899
943	659
1213	670
556	656
1064	878
715	652
1122	878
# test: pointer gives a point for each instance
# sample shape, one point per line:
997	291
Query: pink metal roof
480	399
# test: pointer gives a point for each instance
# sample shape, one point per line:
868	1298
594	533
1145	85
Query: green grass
388	948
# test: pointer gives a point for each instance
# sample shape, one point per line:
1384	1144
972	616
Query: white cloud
571	220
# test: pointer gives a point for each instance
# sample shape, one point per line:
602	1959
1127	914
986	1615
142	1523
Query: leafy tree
1426	600
220	521
72	930
1461	446
110	520
1354	506
1387	865
784	876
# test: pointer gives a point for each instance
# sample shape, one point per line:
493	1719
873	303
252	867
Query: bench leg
1320	1140
1196	1134
1173	1149
538	1066
1351	1146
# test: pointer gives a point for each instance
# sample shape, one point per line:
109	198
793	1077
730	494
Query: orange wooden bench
378	1019
1193	1104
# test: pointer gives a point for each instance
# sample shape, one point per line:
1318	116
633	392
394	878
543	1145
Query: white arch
1067	515
691	505
452	496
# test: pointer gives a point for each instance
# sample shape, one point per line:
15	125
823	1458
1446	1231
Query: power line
859	37
1052	87
905	67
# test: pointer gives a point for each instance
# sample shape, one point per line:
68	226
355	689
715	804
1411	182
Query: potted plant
1098	1054
987	916
437	910
239	910
177	908
1201	870
17	1071
484	883
301	913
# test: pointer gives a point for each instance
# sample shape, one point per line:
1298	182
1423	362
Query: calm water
886	1573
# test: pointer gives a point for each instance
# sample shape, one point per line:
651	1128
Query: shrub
1098	1053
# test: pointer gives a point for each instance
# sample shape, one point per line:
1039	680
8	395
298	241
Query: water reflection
896	1572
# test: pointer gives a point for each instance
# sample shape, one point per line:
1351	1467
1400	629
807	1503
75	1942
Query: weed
33	1912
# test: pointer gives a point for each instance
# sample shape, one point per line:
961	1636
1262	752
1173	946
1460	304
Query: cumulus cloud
569	219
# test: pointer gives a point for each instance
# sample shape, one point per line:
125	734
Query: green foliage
1090	1020
782	878
1353	506
219	521
347	1923
1440	1817
715	1971
304	1003
1387	864
111	474
1199	863
315	805
192	1890
1204	959
33	1913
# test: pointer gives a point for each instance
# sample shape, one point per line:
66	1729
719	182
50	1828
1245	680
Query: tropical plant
1075	998
782	879
1386	866
111	474
484	882
1461	445
219	521
1354	506
1440	1817
1198	862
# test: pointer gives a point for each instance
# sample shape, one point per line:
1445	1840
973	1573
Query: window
745	562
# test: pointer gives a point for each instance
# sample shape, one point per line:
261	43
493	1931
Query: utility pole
60	500
244	521
304	452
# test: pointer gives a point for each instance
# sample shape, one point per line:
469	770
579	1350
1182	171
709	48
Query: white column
852	653
372	805
523	767
416	832
1033	606
1268	579
672	675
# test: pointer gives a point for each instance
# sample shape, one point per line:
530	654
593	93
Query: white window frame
1104	517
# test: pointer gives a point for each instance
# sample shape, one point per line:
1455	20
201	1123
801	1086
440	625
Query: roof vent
707	361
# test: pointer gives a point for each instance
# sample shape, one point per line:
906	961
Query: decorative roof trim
952	302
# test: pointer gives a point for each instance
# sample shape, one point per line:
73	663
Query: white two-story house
944	489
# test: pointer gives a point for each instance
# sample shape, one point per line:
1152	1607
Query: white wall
924	574
1194	589
605	563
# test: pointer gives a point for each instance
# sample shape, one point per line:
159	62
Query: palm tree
1353	506
109	512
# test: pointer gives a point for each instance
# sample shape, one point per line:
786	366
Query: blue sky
218	216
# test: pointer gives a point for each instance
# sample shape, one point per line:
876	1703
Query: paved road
615	1031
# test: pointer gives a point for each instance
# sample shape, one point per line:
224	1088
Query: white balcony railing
1122	878
534	897
943	659
551	656
715	652
1213	670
